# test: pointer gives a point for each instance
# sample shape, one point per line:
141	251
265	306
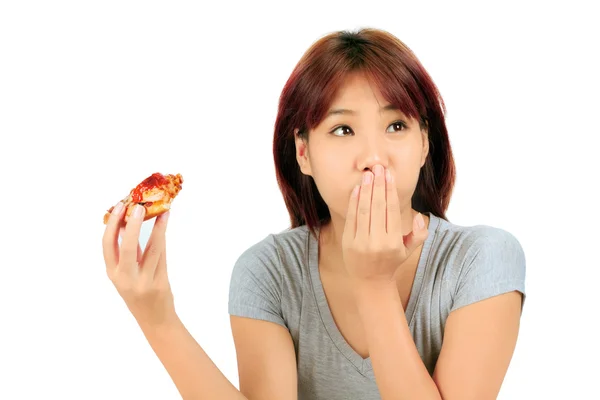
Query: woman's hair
312	87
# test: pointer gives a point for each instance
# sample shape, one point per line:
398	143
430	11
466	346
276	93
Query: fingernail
137	211
420	221
378	169
117	209
367	178
388	175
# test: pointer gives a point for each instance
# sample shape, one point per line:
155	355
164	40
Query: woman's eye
345	130
396	127
341	130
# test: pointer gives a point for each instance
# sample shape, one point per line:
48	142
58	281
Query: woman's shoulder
267	278
472	239
479	255
276	255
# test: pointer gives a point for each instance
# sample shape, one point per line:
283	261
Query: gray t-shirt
277	280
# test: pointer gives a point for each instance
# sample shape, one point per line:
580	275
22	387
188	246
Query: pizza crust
154	210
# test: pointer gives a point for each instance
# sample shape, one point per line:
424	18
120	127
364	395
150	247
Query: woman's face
360	131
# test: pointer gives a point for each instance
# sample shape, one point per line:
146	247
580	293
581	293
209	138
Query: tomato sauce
154	180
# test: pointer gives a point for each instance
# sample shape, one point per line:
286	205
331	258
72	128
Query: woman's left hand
373	245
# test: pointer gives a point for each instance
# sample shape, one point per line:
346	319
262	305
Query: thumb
418	235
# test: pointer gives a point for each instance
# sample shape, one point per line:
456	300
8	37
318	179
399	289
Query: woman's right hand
139	277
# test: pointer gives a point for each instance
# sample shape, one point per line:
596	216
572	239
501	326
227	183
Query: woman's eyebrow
345	111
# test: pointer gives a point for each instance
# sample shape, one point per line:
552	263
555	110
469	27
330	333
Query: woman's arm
141	280
397	365
266	359
192	371
479	341
265	355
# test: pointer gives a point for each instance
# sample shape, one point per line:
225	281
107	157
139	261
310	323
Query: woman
372	293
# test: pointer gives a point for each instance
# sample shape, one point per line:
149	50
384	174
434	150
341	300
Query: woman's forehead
358	92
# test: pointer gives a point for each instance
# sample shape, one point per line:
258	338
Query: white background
95	96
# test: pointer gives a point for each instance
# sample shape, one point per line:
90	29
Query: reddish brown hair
312	87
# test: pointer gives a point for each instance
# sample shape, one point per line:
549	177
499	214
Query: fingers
130	242
378	204
393	215
110	240
155	247
363	217
350	224
161	267
418	235
375	212
139	249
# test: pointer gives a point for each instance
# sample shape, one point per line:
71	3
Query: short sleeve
496	265
255	285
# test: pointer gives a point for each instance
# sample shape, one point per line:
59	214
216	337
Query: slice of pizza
155	193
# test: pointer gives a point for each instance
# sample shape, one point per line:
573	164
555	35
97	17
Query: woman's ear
425	147
302	153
